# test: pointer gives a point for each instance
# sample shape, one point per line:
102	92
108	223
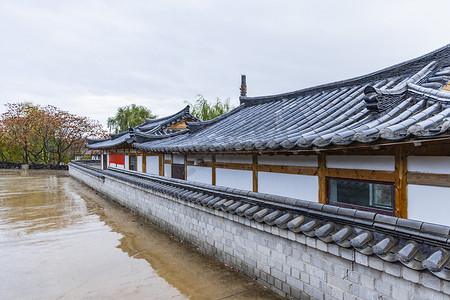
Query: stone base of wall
293	265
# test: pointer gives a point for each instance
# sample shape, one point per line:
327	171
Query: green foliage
203	110
128	117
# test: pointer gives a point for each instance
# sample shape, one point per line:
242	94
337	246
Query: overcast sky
91	57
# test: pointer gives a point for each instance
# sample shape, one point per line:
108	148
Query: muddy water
61	240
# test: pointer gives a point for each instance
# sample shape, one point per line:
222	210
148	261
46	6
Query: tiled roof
417	245
403	102
151	129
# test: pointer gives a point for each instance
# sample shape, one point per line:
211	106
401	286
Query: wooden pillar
185	167
161	164
401	200
213	169
255	171
144	163
321	171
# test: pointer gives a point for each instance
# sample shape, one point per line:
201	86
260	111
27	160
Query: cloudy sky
91	57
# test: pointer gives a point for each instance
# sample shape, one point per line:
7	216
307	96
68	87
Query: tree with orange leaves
45	134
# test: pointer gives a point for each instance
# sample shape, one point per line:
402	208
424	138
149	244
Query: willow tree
204	110
128	117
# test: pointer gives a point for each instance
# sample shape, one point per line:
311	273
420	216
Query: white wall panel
429	164
167	156
380	163
139	163
291	160
168	170
127	162
429	203
199	174
178	159
239	179
206	158
302	187
152	165
238	159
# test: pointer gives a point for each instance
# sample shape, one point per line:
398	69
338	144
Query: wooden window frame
361	207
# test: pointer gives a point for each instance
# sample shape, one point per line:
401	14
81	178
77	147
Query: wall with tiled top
293	265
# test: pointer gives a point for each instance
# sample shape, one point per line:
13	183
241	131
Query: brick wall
293	265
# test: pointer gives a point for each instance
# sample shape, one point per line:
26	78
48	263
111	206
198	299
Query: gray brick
376	263
322	245
347	253
446	287
367	282
361	259
294	282
393	269
399	293
313	292
310	242
431	281
339	283
334	249
353	276
383	287
314	282
410	274
361	292
337	293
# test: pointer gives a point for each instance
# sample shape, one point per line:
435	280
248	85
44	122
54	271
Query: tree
43	134
203	110
128	117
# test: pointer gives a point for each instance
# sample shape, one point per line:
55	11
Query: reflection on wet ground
61	240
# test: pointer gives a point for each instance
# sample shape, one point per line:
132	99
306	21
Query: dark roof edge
196	126
411	65
184	111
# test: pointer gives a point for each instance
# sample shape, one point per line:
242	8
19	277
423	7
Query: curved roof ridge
196	126
185	110
409	66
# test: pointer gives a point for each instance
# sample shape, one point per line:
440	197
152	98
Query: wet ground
61	240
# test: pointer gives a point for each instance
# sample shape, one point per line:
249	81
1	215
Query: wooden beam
428	179
321	172
401	200
213	169
233	166
373	175
288	169
255	172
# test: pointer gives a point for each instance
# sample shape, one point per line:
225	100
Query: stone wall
291	264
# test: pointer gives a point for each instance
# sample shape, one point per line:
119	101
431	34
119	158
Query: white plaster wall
429	203
199	174
239	179
429	164
178	159
167	156
303	187
168	170
139	163
379	162
127	162
152	165
291	160
206	158
239	159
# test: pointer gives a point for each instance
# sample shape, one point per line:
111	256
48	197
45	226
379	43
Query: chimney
243	86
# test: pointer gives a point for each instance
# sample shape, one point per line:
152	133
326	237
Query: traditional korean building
378	143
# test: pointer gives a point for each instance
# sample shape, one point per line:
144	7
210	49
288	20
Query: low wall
292	264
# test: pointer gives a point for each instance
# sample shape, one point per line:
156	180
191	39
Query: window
178	171
133	163
359	194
